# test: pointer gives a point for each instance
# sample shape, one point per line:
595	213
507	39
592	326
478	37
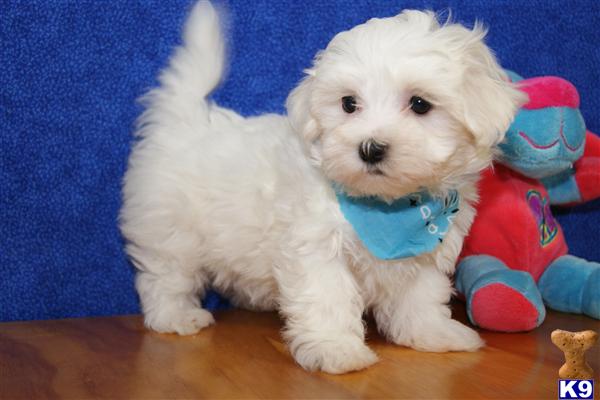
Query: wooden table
243	357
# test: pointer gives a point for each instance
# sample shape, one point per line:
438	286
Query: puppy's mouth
374	170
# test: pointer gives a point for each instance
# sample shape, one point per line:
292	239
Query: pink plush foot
498	307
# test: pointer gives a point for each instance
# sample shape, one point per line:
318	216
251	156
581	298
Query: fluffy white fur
245	205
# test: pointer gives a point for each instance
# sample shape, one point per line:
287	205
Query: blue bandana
410	226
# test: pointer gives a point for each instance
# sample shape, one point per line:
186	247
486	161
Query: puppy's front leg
415	313
323	311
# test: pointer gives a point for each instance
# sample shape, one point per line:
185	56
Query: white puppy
394	107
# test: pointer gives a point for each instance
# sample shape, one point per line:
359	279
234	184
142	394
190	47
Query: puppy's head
400	104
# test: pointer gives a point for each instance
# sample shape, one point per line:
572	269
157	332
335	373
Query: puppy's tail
195	68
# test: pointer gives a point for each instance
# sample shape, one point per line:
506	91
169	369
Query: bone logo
576	374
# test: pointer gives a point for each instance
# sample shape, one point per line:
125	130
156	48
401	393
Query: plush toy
516	258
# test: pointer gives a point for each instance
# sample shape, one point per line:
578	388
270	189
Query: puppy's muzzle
372	151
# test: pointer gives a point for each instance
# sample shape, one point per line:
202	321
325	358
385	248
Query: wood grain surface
243	357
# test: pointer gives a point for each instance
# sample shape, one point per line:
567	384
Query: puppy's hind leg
171	302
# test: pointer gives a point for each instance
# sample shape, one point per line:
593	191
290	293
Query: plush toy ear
298	106
513	76
491	101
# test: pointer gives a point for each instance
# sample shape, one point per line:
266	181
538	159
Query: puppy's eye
419	105
349	104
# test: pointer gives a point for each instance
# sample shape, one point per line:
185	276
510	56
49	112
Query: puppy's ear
491	101
298	106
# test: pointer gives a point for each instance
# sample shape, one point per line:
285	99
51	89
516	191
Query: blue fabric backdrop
70	72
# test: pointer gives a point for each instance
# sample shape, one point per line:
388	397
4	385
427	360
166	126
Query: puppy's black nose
372	151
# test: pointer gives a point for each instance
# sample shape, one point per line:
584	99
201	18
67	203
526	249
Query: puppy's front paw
184	322
344	354
444	335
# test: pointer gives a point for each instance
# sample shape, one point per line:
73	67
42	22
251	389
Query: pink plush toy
515	258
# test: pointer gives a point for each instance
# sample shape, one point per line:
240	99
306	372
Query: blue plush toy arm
587	168
580	183
563	188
